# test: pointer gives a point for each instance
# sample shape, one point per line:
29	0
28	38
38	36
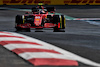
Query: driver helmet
42	11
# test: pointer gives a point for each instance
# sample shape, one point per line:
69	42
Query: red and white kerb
35	51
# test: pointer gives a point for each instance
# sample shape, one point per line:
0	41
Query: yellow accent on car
40	4
60	22
23	19
64	22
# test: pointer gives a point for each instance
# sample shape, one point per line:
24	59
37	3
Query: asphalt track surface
80	37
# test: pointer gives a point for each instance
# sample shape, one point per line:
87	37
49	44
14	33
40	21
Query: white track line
64	52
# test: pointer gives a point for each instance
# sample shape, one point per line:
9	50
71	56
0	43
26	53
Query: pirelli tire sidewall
19	19
62	22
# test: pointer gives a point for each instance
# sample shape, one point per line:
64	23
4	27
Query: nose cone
38	20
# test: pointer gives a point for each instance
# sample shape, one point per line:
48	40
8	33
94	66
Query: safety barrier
82	2
50	2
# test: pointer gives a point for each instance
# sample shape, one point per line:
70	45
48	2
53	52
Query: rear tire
19	19
56	29
56	19
49	16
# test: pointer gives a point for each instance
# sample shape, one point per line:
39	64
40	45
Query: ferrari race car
39	18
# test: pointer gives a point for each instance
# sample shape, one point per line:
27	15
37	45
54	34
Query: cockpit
39	11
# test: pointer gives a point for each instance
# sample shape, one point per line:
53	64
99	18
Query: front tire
62	22
59	19
19	20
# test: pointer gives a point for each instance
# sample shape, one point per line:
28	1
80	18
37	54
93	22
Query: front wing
46	25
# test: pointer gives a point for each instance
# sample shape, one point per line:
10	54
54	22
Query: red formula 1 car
39	18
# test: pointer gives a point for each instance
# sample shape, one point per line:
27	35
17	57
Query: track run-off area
80	42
